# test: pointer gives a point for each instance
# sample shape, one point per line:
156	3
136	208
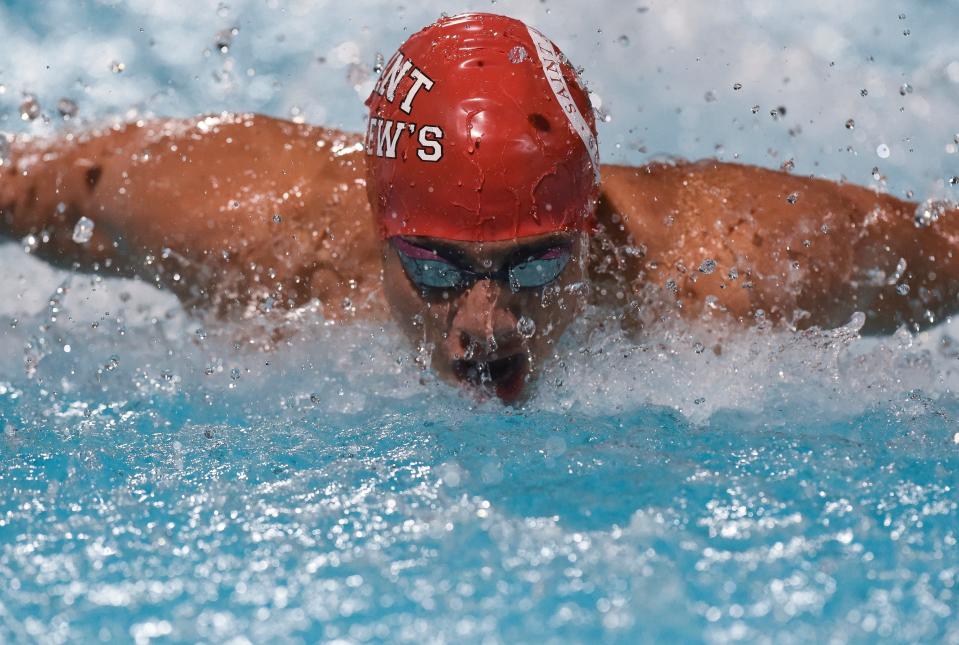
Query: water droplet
792	198
117	67
67	108
224	39
850	124
526	327
930	211
518	54
883	151
623	40
737	86
708	266
83	230
30	243
902	289
904	89
29	108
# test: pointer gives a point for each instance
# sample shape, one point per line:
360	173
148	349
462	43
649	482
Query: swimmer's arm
232	208
802	250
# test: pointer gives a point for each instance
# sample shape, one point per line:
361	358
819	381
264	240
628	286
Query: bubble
117	67
882	150
277	218
850	124
708	266
623	40
525	327
954	180
83	230
864	92
754	109
737	86
902	289
792	198
29	108
710	96
518	54
235	374
904	89
67	108
787	165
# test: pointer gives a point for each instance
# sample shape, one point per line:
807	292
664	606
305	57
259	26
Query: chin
506	378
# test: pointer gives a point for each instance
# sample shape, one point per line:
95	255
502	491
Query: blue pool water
166	479
320	495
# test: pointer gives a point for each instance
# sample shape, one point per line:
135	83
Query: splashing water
83	230
693	483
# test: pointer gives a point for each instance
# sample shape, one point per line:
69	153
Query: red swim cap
479	130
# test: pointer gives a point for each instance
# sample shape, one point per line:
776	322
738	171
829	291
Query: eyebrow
432	250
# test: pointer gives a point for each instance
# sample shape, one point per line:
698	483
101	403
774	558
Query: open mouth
506	376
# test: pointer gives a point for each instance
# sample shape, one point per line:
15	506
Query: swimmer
475	212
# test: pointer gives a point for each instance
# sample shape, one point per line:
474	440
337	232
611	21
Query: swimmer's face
488	313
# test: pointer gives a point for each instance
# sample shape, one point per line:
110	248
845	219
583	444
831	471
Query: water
161	481
167	478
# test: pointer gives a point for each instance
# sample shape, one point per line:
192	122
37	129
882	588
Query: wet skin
241	213
473	333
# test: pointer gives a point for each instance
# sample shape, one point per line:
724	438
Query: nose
482	323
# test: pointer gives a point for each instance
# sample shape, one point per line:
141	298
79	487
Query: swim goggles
428	270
